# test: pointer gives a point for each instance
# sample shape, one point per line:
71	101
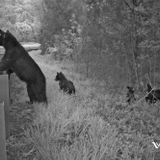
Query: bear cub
66	85
153	94
130	95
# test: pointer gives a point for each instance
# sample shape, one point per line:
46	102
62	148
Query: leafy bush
21	19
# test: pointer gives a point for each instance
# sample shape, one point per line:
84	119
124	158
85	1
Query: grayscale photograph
79	79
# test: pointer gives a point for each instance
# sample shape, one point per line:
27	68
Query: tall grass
87	126
68	129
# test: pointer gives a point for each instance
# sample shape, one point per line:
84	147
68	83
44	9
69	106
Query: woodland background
114	41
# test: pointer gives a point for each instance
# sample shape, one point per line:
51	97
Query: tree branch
132	10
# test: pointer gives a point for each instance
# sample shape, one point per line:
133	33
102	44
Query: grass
88	126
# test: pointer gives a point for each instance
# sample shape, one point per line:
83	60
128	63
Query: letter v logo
156	145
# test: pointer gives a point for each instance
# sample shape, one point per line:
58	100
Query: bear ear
128	87
148	85
1	31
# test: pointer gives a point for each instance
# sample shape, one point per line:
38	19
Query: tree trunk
134	44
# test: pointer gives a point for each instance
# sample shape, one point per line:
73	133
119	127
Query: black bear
130	95
64	84
9	72
17	60
153	94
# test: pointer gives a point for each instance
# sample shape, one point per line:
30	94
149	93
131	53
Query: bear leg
31	94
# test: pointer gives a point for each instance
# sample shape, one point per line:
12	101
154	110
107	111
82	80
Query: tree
120	30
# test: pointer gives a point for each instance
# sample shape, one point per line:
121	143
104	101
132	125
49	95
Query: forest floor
89	125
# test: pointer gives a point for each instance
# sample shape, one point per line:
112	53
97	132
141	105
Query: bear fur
16	59
130	95
153	94
66	85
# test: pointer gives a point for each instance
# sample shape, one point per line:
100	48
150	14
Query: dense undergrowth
88	126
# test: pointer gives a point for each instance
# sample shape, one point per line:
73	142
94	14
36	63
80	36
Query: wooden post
4	97
2	133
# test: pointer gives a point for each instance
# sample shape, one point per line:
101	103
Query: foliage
61	22
120	40
90	125
20	17
108	40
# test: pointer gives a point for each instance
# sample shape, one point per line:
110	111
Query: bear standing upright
18	60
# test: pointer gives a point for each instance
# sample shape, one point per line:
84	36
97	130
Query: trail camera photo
79	80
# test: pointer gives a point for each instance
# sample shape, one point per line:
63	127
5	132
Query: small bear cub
66	85
130	95
153	94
